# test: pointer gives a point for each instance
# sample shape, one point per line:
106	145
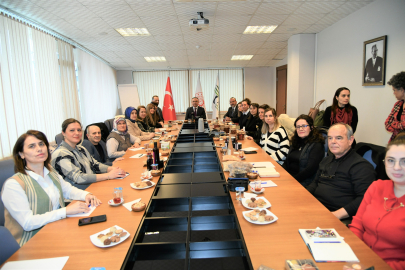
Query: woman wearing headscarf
131	114
34	196
119	139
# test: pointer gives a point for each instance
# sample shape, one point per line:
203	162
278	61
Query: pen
141	155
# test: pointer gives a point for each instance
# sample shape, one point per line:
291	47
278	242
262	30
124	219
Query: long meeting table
268	245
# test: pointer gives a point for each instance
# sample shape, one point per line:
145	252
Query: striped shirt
276	144
76	165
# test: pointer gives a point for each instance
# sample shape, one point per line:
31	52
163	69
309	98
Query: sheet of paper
40	264
250	149
332	252
138	156
84	214
262	164
135	149
267	183
129	204
267	172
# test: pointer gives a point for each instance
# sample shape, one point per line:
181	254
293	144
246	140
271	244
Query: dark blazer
93	151
374	71
200	113
230	114
160	114
243	119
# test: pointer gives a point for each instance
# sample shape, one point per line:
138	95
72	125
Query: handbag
314	111
318	122
233	183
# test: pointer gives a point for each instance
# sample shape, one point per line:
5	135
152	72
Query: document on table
262	164
138	156
135	149
268	172
250	149
40	264
83	214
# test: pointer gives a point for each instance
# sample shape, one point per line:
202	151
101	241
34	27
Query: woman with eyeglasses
380	219
395	122
306	151
119	140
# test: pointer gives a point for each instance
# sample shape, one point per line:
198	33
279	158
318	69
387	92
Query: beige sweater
134	130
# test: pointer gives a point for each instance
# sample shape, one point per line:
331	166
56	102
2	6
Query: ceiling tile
249	45
279	37
177	58
317	7
112	10
254	37
272	51
316	28
172	46
278	8
275	44
349	7
232	20
236	29
166	22
303	19
236	8
222	51
190	9
124	22
161	10
246	51
223	46
268	20
330	19
291	29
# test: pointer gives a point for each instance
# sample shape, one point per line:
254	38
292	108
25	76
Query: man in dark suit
232	111
96	146
373	72
245	112
195	110
155	101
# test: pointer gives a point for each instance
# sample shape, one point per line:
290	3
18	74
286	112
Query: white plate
257	192
111	202
268	204
97	243
146	178
134	187
261	223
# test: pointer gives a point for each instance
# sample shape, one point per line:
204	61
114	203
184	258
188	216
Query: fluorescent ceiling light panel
129	32
260	29
155	59
241	57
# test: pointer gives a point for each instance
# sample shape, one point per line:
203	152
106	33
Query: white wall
260	85
124	76
340	57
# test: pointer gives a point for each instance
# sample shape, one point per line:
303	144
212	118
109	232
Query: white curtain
230	85
152	83
68	80
30	90
98	89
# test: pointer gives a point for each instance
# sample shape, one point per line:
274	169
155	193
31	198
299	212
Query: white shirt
374	59
16	200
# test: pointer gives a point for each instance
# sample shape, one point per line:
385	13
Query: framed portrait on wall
374	54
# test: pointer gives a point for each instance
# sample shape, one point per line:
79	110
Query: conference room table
268	245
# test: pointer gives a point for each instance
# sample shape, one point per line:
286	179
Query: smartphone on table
92	220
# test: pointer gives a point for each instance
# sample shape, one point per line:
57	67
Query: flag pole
219	98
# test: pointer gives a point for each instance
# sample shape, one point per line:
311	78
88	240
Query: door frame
277	69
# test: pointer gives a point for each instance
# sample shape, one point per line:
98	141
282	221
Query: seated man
95	145
232	111
344	176
245	113
195	110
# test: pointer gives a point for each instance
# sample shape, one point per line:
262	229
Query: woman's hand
151	135
92	200
77	207
249	138
116	172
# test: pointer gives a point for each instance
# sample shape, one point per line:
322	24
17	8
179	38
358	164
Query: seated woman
380	219
119	139
75	164
236	119
141	120
306	151
253	122
258	134
151	116
34	196
273	137
131	114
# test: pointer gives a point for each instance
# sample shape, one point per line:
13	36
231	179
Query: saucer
111	202
257	192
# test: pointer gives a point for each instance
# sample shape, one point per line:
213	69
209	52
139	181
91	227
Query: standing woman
380	219
75	164
35	195
306	152
341	111
151	116
119	139
253	122
131	115
395	122
274	138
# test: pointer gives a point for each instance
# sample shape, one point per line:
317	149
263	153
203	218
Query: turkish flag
169	113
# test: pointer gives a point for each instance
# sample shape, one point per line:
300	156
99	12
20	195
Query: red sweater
383	231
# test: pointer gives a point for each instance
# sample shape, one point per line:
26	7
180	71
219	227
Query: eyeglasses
303	126
390	162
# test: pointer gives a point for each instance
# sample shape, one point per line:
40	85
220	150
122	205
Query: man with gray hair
344	176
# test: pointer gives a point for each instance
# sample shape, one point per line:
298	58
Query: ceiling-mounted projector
199	24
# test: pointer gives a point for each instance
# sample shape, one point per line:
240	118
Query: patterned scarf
341	117
115	125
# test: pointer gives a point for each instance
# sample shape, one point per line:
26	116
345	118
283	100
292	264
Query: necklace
392	208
